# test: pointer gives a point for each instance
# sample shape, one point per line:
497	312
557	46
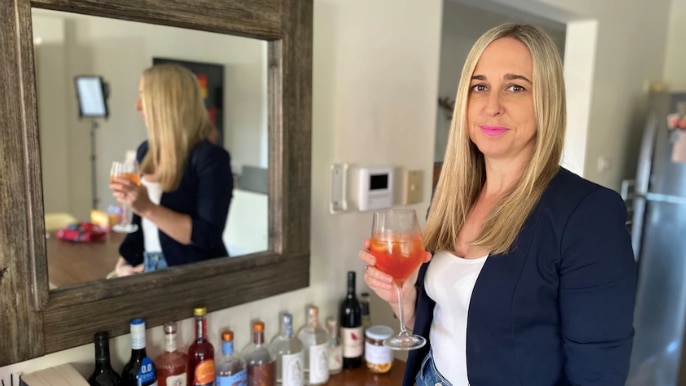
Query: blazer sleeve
597	289
214	195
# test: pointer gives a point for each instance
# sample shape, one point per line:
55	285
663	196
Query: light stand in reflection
92	93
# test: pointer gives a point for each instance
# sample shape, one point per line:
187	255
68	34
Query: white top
449	282
151	233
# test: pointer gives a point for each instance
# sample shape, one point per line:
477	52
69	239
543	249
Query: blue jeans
154	261
429	375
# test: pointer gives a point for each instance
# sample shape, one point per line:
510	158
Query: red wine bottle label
146	373
204	373
353	342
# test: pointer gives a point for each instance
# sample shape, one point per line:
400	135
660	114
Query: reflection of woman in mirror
183	201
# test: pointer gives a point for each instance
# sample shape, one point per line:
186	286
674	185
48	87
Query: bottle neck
200	329
227	347
287	329
170	342
351	285
102	354
313	321
258	338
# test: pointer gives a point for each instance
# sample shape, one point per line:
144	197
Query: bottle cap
227	335
258	326
200	311
170	328
378	332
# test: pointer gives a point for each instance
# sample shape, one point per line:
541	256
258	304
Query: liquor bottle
172	364
261	363
140	370
315	342
103	374
200	353
334	348
366	313
231	370
352	336
289	354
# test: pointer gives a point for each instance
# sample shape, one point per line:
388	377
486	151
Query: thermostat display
375	188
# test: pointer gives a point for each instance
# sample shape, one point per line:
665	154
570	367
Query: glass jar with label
378	357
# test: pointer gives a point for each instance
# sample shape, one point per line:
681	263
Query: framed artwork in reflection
211	79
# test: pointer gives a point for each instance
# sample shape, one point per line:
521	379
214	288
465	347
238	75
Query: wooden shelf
363	377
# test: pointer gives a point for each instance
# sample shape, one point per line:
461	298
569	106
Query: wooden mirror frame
34	320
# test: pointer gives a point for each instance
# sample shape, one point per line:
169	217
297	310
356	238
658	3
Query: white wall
674	70
120	51
374	102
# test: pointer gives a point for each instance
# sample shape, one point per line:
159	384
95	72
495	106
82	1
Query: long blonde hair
463	173
176	119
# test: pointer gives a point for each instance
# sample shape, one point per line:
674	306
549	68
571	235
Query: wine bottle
289	354
139	370
232	369
351	327
201	370
315	343
171	365
335	350
261	363
103	374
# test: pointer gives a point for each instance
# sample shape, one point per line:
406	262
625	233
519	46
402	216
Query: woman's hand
123	268
135	196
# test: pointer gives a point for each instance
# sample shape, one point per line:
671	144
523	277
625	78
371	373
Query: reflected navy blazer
558	308
204	193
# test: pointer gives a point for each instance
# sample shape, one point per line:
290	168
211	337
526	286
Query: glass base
405	341
125	228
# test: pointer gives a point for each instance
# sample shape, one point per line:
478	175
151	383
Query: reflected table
363	377
72	263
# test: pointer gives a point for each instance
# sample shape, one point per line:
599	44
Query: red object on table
84	232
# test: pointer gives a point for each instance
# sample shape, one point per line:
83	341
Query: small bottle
379	358
139	370
335	350
103	374
172	364
315	343
351	327
200	353
366	314
289	354
261	362
232	370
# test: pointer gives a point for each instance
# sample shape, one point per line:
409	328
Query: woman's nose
494	106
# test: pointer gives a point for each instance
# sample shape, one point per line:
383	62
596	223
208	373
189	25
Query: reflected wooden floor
72	263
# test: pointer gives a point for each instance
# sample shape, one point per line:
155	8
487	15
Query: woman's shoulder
208	150
568	189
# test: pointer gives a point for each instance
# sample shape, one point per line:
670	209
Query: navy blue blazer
204	193
558	308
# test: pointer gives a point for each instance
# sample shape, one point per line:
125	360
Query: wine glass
130	172
397	245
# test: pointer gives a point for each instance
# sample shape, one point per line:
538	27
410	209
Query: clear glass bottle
315	343
260	360
335	350
103	374
172	364
139	370
352	336
200	353
232	370
289	354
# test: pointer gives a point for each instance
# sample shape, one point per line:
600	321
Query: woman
183	201
532	276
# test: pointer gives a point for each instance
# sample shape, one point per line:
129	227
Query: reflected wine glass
397	245
130	172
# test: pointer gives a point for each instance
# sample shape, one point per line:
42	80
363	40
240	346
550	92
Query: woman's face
500	110
139	103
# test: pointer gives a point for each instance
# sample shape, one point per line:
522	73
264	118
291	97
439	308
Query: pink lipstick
493	130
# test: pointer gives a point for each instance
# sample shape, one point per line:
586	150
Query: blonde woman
183	201
532	277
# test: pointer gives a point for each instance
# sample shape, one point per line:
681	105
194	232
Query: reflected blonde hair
176	119
463	173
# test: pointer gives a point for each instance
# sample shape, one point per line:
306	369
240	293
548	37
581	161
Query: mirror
76	153
37	320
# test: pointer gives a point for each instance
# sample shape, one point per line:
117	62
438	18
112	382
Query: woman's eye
479	87
516	88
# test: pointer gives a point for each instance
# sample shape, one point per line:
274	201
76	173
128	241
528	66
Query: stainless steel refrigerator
657	212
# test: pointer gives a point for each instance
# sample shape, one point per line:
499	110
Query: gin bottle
289	354
315	344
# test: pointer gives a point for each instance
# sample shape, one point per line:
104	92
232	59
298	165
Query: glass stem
401	315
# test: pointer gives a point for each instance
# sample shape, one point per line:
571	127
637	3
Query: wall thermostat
374	188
